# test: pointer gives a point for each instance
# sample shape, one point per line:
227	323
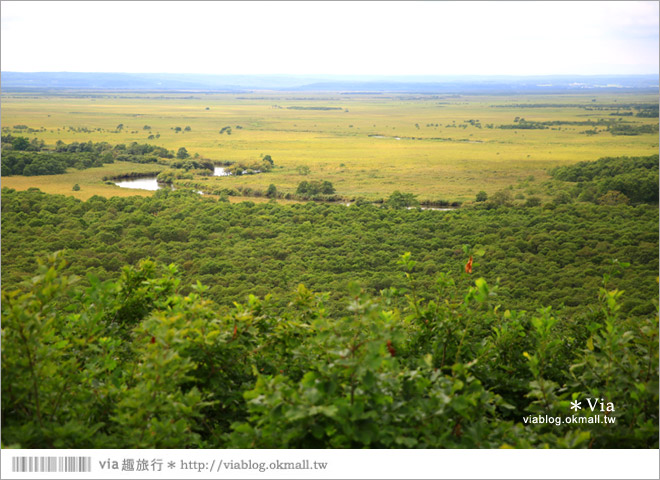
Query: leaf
428	360
405	441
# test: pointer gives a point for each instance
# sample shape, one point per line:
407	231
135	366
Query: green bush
401	200
634	177
134	363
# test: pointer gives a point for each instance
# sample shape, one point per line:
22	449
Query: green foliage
142	149
38	159
481	196
550	258
30	164
533	202
82	371
189	164
134	363
315	187
244	168
168	176
562	198
604	167
501	198
182	153
634	177
611	124
618	363
613	197
628	129
648	111
522	124
10	142
401	200
272	191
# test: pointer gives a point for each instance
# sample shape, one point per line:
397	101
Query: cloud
332	37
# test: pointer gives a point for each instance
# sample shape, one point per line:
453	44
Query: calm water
383	136
145	183
150	183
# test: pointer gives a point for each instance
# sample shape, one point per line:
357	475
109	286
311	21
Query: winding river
150	183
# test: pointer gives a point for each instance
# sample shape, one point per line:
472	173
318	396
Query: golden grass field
450	163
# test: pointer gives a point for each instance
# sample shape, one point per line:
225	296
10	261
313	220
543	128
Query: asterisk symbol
576	405
171	464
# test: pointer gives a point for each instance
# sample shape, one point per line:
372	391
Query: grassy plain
367	145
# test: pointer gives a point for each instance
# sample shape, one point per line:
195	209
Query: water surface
144	183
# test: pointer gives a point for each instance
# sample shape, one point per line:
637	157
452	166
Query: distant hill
13	81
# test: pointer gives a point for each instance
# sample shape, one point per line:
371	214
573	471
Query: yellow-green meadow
439	147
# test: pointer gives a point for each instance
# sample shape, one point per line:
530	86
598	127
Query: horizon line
350	74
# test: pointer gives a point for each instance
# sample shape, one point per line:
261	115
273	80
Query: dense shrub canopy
544	257
132	363
634	177
35	158
495	315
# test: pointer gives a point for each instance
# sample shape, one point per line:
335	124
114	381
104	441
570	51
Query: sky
321	38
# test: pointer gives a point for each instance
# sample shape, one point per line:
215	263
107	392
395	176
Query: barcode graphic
51	464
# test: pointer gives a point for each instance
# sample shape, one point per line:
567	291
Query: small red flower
468	265
153	339
235	332
391	348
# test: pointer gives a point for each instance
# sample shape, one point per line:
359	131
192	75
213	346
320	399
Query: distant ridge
12	81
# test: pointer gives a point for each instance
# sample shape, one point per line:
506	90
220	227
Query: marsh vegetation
280	317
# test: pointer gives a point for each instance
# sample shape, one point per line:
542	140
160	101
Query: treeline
547	256
628	129
186	170
266	164
135	363
187	180
193	164
49	163
522	124
314	190
615	127
649	111
315	187
21	156
22	144
640	107
620	179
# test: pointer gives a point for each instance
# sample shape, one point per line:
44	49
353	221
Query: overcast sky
377	38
